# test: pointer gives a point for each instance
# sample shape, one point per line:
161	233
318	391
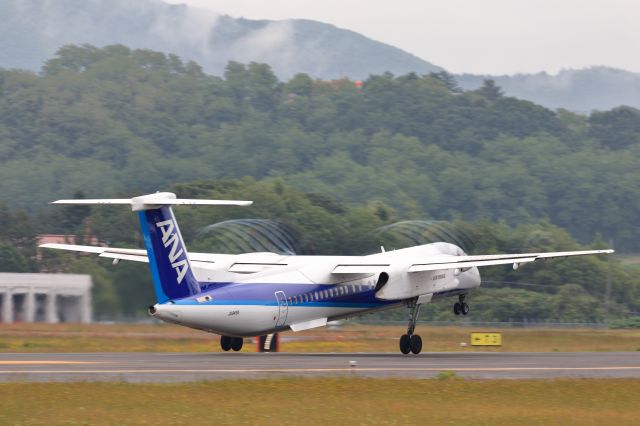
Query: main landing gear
460	307
411	342
227	342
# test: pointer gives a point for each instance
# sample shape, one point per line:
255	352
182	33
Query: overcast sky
477	36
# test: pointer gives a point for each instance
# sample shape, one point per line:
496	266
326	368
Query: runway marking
326	370
41	362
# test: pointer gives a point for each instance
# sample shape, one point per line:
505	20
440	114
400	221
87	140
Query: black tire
225	343
456	308
464	308
416	344
405	344
236	343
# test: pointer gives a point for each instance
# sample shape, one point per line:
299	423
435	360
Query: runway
185	367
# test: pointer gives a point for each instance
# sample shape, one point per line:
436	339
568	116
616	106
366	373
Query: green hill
120	121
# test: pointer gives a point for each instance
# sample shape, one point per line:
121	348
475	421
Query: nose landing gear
411	342
461	307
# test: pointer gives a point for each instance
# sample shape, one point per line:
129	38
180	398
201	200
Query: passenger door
283	308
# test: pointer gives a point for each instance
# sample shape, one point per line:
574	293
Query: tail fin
172	274
173	277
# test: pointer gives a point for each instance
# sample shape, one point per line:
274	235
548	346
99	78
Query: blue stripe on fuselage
263	294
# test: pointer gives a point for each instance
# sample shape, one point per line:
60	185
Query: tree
616	129
11	260
490	90
448	80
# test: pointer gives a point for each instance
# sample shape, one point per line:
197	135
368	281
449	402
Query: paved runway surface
181	367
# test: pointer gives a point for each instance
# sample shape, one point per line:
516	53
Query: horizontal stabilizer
146	202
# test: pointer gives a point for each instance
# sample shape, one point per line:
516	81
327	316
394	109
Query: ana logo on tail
170	238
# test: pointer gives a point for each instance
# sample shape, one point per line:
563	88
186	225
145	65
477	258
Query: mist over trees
335	159
582	90
33	30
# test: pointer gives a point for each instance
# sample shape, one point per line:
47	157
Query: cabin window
315	295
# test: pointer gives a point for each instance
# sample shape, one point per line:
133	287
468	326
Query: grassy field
348	338
337	401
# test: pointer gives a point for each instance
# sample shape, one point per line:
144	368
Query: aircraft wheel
405	344
416	344
457	308
225	343
464	308
236	343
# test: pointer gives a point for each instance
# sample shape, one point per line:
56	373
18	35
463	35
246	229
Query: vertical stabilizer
172	274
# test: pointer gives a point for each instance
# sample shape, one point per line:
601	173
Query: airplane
254	294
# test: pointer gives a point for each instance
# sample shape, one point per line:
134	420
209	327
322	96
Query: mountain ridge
35	29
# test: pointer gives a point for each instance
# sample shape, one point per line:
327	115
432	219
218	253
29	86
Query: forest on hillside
114	120
561	290
335	160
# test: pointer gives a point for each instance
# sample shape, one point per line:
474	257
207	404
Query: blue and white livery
261	293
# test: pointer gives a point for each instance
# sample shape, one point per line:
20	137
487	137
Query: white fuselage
302	292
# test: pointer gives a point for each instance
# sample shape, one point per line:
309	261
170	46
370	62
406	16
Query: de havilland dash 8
256	294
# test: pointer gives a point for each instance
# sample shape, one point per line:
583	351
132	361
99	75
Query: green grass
327	401
349	338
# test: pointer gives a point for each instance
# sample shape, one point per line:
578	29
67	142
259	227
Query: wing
436	263
136	255
462	262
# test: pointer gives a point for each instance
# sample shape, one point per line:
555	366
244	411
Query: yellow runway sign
486	339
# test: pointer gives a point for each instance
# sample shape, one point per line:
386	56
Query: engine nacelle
398	284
